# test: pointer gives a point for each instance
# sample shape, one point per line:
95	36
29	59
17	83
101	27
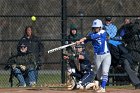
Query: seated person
24	67
85	75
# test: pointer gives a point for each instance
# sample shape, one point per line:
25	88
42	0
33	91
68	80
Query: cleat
101	90
90	85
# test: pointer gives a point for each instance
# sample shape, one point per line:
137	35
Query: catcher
83	78
23	67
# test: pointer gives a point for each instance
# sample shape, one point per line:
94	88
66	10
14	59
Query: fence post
64	29
81	13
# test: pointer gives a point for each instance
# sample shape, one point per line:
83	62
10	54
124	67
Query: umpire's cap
108	18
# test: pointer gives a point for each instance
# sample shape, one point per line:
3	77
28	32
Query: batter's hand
66	57
78	42
81	40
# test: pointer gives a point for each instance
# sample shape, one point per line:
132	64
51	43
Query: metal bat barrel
61	47
55	49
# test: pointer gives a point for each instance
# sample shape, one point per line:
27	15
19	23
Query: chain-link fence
54	18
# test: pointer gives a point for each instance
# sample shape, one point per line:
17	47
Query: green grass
42	79
4	80
49	78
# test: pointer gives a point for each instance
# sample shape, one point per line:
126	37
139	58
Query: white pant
102	63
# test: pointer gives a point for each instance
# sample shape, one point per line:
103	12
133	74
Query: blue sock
104	81
103	84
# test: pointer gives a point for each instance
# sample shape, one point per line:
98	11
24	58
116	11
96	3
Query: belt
101	53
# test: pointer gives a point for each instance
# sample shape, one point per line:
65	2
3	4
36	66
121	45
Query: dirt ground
64	90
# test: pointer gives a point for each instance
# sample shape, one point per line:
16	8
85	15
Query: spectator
111	30
120	55
127	26
102	57
24	66
34	46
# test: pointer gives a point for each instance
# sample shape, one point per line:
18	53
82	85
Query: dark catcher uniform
85	74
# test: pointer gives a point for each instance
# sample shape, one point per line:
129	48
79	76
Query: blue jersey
99	41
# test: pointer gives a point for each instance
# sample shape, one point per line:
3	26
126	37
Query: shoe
88	86
32	84
101	90
22	86
137	86
79	86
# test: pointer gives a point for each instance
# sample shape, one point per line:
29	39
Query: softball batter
102	57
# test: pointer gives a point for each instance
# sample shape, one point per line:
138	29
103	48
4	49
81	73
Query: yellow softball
33	18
